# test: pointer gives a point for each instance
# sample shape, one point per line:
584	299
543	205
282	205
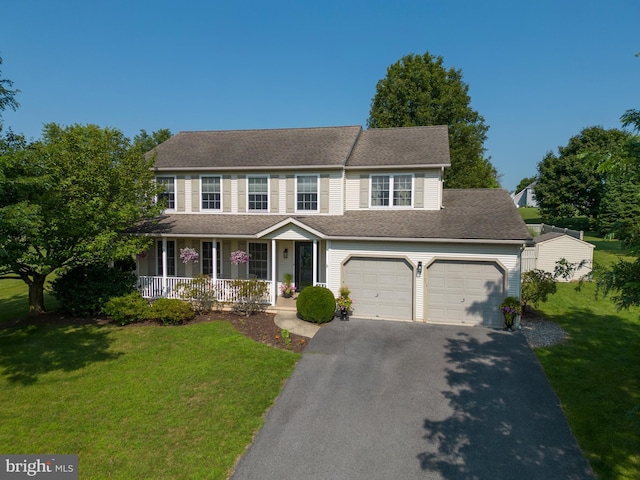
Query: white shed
549	248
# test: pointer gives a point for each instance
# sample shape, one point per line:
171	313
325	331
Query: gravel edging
542	333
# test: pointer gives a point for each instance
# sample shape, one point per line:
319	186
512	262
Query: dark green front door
304	264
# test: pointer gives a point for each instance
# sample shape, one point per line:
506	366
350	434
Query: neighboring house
337	206
549	248
526	197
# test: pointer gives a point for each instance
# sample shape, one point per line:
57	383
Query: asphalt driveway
372	399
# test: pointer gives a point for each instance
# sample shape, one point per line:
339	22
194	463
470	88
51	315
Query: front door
304	264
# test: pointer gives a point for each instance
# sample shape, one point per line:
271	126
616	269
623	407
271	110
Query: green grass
137	402
596	375
14	299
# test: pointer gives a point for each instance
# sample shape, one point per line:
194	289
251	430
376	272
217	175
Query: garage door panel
464	292
380	288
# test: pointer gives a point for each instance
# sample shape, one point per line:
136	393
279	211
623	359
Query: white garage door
380	287
465	292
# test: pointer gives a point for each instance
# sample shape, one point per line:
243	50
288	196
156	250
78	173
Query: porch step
285	304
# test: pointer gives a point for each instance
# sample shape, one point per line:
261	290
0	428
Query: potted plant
344	303
287	289
511	309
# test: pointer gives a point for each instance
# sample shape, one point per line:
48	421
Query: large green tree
622	215
420	90
570	183
69	199
7	95
147	141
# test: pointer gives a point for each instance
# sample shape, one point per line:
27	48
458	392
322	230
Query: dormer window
258	193
168	195
391	190
307	193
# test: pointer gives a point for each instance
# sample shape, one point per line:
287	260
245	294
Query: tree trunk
36	295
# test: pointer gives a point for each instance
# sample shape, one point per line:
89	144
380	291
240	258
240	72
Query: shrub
316	304
171	311
537	285
127	308
201	293
249	296
85	289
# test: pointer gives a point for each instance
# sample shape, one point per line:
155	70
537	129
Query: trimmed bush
127	309
172	311
316	304
85	289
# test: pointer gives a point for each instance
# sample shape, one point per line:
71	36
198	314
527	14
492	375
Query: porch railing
157	287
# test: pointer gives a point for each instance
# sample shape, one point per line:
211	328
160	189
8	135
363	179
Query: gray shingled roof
289	147
471	214
402	146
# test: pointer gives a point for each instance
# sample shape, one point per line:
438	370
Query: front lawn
140	401
596	375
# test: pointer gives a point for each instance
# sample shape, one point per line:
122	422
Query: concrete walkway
286	318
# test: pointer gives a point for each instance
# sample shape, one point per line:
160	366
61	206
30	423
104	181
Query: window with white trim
259	260
307	193
391	190
258	193
171	258
210	192
207	259
168	194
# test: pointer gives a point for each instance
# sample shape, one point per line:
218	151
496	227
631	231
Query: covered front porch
165	266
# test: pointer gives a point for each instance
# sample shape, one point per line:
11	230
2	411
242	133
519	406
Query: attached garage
465	292
380	287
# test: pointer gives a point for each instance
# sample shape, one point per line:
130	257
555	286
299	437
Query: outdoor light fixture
285	253
419	268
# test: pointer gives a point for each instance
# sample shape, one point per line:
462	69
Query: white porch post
274	261
315	262
327	270
164	266
214	253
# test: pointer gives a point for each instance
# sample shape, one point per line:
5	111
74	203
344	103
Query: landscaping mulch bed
259	326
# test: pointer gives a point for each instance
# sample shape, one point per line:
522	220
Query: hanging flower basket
239	257
188	255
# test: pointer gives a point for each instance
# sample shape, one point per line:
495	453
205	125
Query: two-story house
337	206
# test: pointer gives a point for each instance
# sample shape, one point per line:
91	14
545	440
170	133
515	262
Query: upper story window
258	193
168	195
391	190
307	193
210	193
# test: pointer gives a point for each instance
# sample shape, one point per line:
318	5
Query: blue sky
538	71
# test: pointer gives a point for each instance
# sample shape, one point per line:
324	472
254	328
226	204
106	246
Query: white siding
352	191
507	255
432	190
336	197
